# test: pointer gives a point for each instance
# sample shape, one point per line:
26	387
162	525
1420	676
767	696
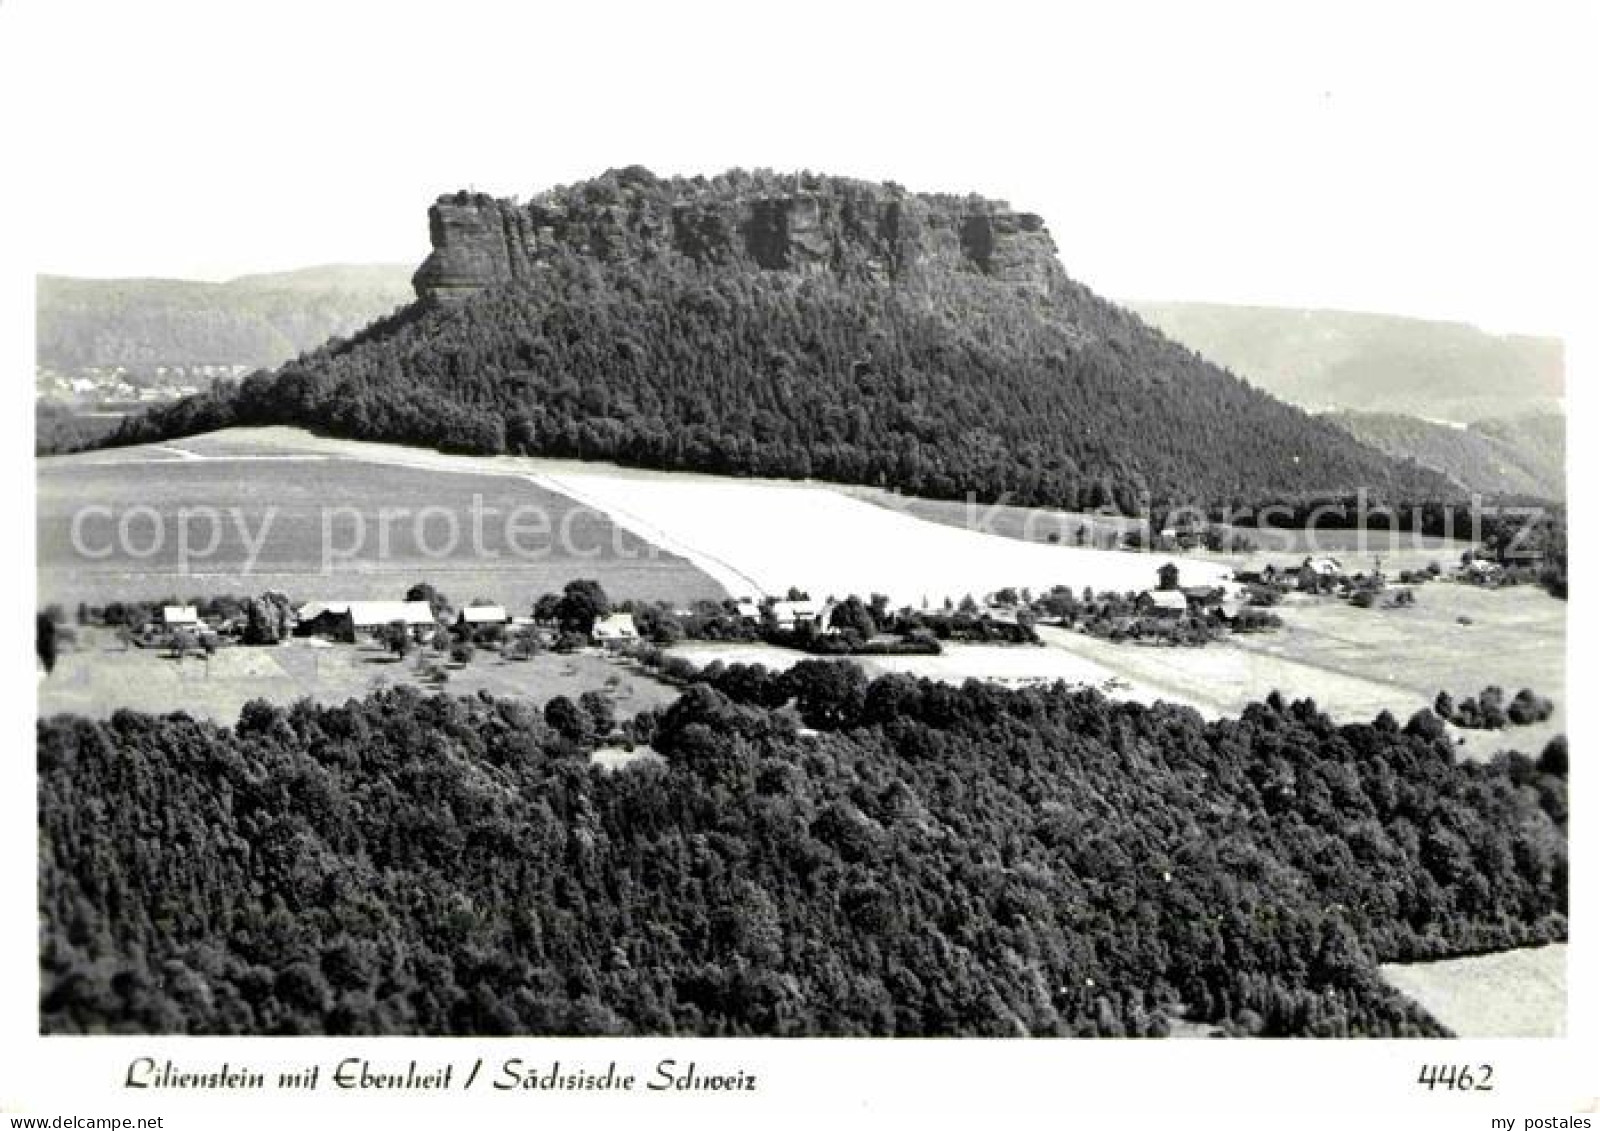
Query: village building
477	615
748	611
790	615
179	616
615	631
1163	603
345	620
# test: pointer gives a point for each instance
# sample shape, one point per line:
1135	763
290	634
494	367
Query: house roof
484	614
179	614
371	614
617	626
1166	599
796	610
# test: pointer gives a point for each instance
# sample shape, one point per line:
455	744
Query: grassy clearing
761	536
287	499
99	676
750	536
1353	662
1515	993
1399	550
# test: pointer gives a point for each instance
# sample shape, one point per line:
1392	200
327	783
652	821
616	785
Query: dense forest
808	853
644	331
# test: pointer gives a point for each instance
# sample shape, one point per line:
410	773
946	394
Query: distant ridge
1328	360
1523	455
799	325
254	321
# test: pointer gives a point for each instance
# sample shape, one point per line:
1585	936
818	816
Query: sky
1434	159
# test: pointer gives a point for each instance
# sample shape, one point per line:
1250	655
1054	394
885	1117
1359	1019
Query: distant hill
798	325
1326	360
256	321
1521	456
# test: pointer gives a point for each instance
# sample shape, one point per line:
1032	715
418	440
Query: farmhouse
1480	570
1163	602
179	616
792	614
1322	567
345	619
747	610
615	630
483	614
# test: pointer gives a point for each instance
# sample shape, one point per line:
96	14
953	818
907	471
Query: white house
615	630
792	614
1164	602
346	618
179	616
484	614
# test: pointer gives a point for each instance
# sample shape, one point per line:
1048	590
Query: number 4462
1457	1077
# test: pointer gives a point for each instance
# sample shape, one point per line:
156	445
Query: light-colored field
750	536
265	512
1516	639
99	676
1007	664
1356	662
1356	548
1353	662
763	536
1515	993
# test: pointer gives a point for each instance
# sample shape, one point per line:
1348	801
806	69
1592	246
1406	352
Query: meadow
748	536
1512	993
222	515
1357	548
1354	663
1357	662
680	536
100	675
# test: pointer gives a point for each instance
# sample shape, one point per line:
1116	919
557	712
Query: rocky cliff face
799	223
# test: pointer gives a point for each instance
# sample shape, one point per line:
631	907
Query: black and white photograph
701	564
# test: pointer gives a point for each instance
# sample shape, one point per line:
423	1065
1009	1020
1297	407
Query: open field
1353	662
747	536
1398	549
763	536
751	536
1515	993
1356	662
99	676
312	524
1516	639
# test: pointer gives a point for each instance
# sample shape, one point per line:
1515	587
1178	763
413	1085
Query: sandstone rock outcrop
796	223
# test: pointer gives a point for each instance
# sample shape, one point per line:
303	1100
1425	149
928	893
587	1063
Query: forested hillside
1334	359
799	326
1523	456
253	321
932	860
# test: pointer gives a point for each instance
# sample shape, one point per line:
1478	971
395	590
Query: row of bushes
1488	710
